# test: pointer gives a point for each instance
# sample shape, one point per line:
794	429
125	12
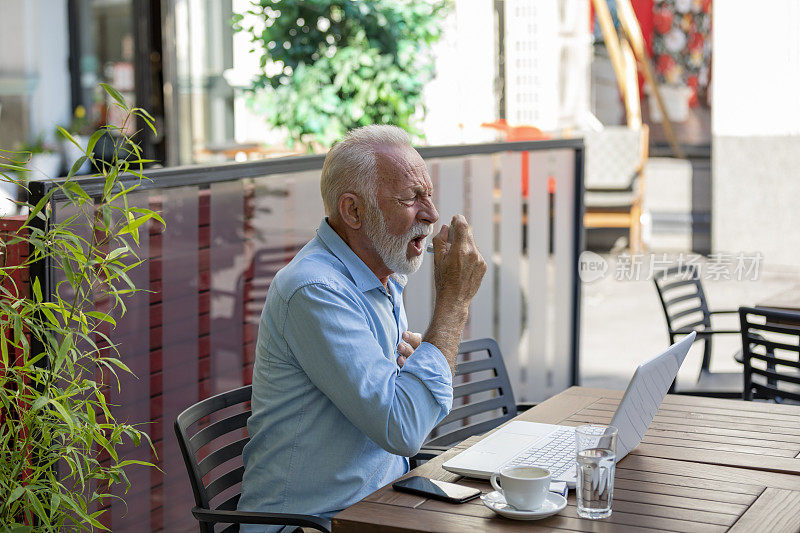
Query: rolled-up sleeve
344	360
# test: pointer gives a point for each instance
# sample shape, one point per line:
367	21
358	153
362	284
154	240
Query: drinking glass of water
596	447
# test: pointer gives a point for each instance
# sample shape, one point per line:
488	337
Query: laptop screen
644	395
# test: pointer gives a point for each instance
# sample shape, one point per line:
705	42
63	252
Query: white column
34	49
756	129
461	95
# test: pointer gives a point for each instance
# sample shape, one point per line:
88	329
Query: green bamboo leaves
59	439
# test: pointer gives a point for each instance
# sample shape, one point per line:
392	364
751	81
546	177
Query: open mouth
417	243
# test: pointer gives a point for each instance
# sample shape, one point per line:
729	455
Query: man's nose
428	213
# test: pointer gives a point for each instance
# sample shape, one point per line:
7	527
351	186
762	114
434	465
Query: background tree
332	65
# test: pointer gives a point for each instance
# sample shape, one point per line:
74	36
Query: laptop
553	446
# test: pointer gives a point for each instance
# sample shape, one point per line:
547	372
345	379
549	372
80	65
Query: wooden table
705	465
788	300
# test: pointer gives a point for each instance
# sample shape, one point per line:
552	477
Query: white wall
756	129
34	50
548	56
756	68
48	39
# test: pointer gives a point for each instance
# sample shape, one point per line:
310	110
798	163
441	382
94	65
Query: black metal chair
771	354
211	435
686	309
482	395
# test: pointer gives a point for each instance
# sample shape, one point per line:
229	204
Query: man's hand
457	271
410	342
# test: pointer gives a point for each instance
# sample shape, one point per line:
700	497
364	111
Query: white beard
393	249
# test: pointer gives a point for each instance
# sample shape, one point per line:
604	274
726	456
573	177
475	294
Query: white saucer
497	503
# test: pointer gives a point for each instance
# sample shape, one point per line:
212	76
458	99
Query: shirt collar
364	278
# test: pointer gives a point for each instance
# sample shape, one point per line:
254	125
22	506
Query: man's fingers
414	339
462	232
405	349
440	241
401	360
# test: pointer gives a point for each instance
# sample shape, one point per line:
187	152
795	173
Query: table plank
627	514
599	395
787	300
368	517
719	415
677	436
764	432
730	474
709	432
668	406
684	486
776	511
721	489
784	449
711	493
743	460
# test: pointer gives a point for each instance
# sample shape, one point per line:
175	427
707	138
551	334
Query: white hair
350	165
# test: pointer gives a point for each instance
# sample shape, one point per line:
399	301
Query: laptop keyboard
557	455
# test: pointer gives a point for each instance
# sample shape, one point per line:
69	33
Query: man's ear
351	210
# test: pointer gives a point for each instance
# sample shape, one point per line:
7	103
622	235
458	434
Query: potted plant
44	160
80	129
58	435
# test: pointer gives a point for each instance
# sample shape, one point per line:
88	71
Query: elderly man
342	393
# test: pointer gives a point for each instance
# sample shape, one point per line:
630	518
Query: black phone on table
439	490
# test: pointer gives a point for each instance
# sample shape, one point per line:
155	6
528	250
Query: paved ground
622	322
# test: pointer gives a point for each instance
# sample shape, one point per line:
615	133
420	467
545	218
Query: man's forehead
401	163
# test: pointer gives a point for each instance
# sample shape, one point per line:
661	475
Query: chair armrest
724	312
245	517
630	187
423	455
429	452
524	406
705	332
426	454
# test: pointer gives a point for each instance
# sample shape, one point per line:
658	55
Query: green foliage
53	404
39	146
332	65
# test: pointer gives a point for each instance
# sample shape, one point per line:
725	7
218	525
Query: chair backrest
258	276
482	395
211	435
613	157
682	299
771	353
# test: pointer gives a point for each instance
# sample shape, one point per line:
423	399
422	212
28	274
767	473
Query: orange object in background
522	133
516	133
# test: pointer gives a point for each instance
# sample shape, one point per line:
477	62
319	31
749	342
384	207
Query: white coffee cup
524	487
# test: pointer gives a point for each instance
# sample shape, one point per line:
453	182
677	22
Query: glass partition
230	228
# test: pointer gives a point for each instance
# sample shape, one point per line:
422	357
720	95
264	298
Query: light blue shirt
334	417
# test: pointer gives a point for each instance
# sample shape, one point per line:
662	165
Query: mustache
420	229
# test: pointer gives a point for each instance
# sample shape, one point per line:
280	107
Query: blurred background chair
771	354
685	310
211	435
614	180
